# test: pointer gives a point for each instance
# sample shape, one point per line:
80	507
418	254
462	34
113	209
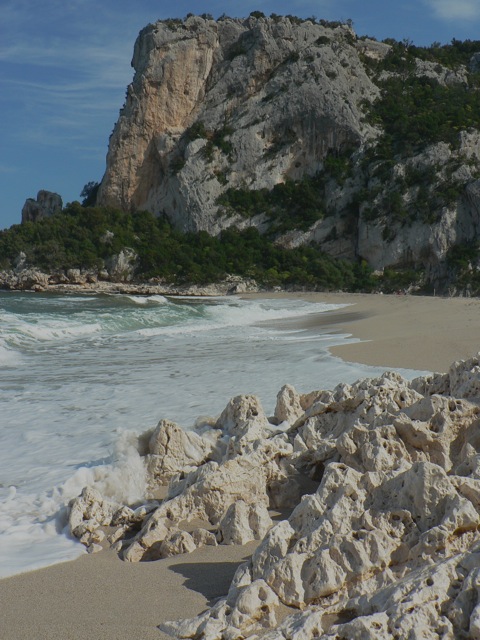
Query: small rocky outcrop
118	279
121	267
46	204
383	541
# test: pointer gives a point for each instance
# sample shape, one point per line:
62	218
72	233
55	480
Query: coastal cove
292	337
240	377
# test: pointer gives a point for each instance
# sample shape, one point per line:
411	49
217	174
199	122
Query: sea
82	375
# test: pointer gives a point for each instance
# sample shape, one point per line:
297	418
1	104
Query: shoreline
395	331
37	282
101	596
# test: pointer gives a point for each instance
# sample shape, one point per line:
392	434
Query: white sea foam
8	356
53	331
146	300
76	298
90	373
238	314
33	531
25	332
121	479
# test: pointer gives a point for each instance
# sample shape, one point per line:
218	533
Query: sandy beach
411	332
100	597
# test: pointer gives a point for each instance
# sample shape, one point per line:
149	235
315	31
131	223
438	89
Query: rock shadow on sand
211	579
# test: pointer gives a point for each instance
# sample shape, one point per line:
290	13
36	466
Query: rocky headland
284	124
364	500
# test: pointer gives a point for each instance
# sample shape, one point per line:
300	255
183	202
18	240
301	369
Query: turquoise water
81	375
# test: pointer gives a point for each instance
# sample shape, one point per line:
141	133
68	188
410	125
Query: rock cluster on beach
118	278
382	478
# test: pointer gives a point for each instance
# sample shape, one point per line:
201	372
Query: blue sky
65	65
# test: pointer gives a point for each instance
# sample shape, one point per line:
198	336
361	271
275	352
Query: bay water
82	375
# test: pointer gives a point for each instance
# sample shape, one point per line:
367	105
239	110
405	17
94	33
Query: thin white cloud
60	53
82	96
455	9
107	65
7	169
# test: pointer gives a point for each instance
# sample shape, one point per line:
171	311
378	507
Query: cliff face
272	98
428	222
238	106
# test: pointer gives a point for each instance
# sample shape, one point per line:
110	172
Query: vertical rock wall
273	97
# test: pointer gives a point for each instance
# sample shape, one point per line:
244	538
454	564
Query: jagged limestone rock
203	537
90	511
386	541
244	423
289	405
242	523
177	543
172	450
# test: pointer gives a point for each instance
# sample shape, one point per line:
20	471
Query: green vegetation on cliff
289	205
293	204
464	262
417	111
414	109
85	237
419	105
452	55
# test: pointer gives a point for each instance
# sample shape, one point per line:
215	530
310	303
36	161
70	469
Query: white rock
288	407
243	523
173	450
244	422
177	543
90	511
203	537
255	604
387	543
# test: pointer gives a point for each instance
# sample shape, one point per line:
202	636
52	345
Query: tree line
85	237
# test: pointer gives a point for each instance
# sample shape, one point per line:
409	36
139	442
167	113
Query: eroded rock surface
384	480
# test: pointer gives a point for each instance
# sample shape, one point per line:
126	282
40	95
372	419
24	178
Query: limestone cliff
233	103
220	109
